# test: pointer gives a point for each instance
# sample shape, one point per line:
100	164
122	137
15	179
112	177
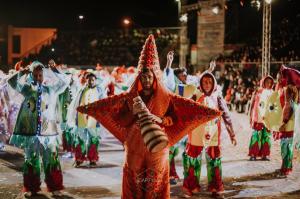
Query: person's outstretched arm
19	86
168	75
227	120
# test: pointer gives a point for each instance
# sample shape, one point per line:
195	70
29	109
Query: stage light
183	18
268	1
215	10
52	49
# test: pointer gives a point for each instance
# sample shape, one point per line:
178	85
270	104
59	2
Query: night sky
63	14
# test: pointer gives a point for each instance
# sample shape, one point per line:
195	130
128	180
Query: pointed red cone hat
149	56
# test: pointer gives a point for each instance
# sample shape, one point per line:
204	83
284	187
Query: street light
183	18
126	22
81	17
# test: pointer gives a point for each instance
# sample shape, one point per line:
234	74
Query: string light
39	109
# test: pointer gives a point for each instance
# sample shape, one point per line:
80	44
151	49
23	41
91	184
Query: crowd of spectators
105	47
237	88
239	70
285	42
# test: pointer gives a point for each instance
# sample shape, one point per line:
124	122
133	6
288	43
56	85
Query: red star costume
146	174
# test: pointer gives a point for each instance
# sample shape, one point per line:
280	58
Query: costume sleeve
60	81
186	116
291	95
22	88
291	75
225	116
252	101
169	79
297	126
113	113
193	80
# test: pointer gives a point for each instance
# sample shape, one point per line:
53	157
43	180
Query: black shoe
173	181
77	164
265	159
217	195
252	158
93	164
281	175
30	194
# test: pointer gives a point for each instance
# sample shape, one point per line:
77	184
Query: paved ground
242	178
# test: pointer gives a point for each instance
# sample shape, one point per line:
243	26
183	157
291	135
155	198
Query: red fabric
111	88
173	173
213	152
286	171
258	126
282	99
286	134
31	181
66	146
254	150
276	135
191	182
93	153
228	95
283	134
193	151
216	185
291	76
18	65
54	180
79	156
265	150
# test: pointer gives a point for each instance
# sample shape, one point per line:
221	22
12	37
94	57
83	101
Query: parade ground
242	178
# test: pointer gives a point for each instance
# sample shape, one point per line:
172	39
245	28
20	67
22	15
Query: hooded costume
146	174
85	129
4	113
64	100
36	130
260	142
280	113
199	142
10	102
172	82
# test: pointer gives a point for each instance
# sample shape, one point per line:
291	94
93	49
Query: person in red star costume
146	174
